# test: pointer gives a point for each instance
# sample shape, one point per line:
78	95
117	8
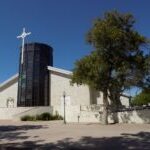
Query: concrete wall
136	116
79	95
16	113
125	101
10	90
59	82
74	114
71	112
93	114
81	114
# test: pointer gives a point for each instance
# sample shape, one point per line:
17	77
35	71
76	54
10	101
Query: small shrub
44	116
28	118
57	117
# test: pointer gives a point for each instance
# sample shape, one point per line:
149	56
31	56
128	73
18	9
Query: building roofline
54	69
9	80
63	71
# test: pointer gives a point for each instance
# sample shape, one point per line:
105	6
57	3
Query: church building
39	87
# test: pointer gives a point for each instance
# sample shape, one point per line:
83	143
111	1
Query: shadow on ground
138	141
13	133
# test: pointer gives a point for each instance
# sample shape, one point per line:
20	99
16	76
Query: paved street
57	136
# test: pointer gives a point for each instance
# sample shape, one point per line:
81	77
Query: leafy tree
146	81
117	61
142	99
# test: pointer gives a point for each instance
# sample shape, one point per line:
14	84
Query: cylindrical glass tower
33	83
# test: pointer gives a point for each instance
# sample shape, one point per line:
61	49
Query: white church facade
80	101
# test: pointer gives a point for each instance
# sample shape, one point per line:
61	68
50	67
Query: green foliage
56	117
44	117
147	68
28	118
141	99
117	61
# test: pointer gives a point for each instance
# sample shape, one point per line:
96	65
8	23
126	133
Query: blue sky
62	24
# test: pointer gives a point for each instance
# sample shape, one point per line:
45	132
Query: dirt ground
54	135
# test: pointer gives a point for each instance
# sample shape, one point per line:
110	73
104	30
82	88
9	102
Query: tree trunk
116	105
114	97
105	109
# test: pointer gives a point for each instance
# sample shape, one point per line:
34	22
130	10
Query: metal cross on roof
22	36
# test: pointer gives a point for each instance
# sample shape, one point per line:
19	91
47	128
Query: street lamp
64	96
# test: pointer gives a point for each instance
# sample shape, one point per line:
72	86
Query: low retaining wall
80	114
17	112
76	114
71	112
134	116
